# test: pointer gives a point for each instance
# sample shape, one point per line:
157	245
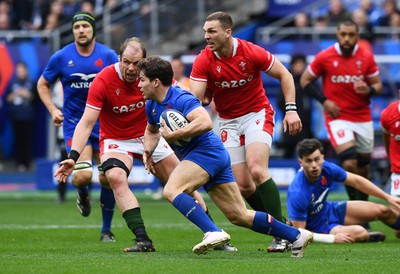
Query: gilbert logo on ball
174	119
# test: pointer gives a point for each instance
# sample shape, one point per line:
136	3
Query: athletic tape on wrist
74	155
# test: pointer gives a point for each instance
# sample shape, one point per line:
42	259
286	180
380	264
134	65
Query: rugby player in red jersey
229	69
350	77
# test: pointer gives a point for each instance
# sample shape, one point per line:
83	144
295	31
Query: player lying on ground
308	206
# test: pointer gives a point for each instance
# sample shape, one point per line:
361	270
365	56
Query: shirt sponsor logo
346	79
87	78
128	108
234	83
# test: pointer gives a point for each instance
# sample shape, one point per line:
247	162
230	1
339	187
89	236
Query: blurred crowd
368	14
49	14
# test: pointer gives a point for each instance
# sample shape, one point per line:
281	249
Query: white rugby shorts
236	134
135	148
395	184
342	131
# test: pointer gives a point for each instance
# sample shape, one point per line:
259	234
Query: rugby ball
174	119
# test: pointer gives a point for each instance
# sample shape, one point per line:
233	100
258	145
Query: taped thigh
114	162
348	154
83	166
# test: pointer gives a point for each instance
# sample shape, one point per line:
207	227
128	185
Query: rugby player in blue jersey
309	208
76	65
205	163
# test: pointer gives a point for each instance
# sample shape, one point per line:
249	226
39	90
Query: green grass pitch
39	236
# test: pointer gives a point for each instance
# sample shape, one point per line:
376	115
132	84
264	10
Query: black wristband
314	93
74	155
372	91
290	107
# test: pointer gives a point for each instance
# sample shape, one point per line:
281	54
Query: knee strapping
348	154
113	162
83	166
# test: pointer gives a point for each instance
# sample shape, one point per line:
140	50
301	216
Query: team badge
243	65
71	63
335	64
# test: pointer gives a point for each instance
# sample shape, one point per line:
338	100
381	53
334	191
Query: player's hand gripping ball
174	119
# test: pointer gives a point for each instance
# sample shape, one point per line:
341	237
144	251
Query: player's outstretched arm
65	169
370	188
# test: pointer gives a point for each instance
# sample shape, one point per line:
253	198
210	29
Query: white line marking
185	226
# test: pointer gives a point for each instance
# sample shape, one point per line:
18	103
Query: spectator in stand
56	7
320	27
21	100
298	64
22	11
87	6
389	7
373	12
301	23
179	70
4	21
337	12
395	25
366	30
52	22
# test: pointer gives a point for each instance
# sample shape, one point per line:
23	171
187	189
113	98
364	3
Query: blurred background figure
21	100
373	12
337	12
301	22
360	17
298	64
389	8
179	69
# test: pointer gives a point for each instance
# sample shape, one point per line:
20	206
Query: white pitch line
186	226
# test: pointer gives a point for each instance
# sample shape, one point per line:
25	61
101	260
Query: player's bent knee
257	172
170	192
360	234
384	211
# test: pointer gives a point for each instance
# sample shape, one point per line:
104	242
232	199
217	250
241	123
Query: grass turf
39	236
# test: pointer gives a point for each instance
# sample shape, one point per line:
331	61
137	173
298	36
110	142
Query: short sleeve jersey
121	105
235	81
76	73
390	122
306	201
339	73
184	102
